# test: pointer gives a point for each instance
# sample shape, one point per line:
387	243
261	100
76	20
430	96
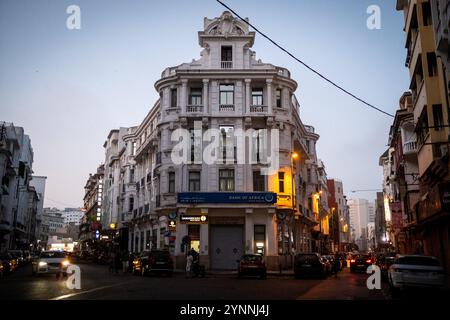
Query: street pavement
97	283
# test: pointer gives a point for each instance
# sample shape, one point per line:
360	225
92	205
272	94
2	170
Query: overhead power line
306	65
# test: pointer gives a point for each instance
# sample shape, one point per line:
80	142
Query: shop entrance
227	246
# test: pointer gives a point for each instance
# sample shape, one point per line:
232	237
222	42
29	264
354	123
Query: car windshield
420	261
252	258
52	254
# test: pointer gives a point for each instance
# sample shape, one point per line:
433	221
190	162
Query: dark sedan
154	261
309	264
360	262
252	265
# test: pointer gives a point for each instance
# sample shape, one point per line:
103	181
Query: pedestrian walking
189	261
336	265
125	258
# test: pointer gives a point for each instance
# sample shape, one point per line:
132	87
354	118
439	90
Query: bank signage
227	197
188	219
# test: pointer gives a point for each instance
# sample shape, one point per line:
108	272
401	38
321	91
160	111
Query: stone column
269	95
248	95
183	98
205	95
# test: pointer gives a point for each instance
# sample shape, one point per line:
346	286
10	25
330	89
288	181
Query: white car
51	262
416	271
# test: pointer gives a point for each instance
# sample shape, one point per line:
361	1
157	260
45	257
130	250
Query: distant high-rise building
361	213
72	216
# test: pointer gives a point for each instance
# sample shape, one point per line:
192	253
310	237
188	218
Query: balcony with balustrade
410	147
226	108
258	109
226	64
193	109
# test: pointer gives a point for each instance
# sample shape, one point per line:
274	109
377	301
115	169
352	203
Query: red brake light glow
353	261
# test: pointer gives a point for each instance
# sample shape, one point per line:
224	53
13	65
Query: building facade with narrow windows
230	118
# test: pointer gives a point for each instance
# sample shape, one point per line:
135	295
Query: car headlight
65	263
42	263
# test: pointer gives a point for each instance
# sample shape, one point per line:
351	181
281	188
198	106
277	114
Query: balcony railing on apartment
410	147
194	108
227	64
258	109
226	108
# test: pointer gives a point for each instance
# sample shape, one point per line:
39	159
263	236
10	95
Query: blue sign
227	197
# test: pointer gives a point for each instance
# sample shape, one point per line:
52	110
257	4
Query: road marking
87	291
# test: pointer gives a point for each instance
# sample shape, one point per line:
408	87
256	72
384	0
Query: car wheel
239	275
264	276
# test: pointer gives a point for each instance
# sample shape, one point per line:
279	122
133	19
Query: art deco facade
228	207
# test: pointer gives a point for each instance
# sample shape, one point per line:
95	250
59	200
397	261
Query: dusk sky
69	88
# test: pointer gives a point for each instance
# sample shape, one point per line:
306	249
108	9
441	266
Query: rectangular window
278	97
432	64
422	127
171	182
259	183
227	143
227	53
226	180
437	117
133	148
259	141
173	98
426	13
195	99
226	94
308	175
257	97
307	146
147	240
131	204
281	182
194	181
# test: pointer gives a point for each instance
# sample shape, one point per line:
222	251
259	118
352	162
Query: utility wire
305	65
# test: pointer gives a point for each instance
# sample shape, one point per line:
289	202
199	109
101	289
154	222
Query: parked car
154	261
18	255
384	261
252	265
26	256
360	262
418	271
9	263
51	262
309	264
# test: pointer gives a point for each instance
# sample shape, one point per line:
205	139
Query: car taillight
369	261
352	261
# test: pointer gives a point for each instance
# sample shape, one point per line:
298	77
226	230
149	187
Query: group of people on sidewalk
193	267
120	259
